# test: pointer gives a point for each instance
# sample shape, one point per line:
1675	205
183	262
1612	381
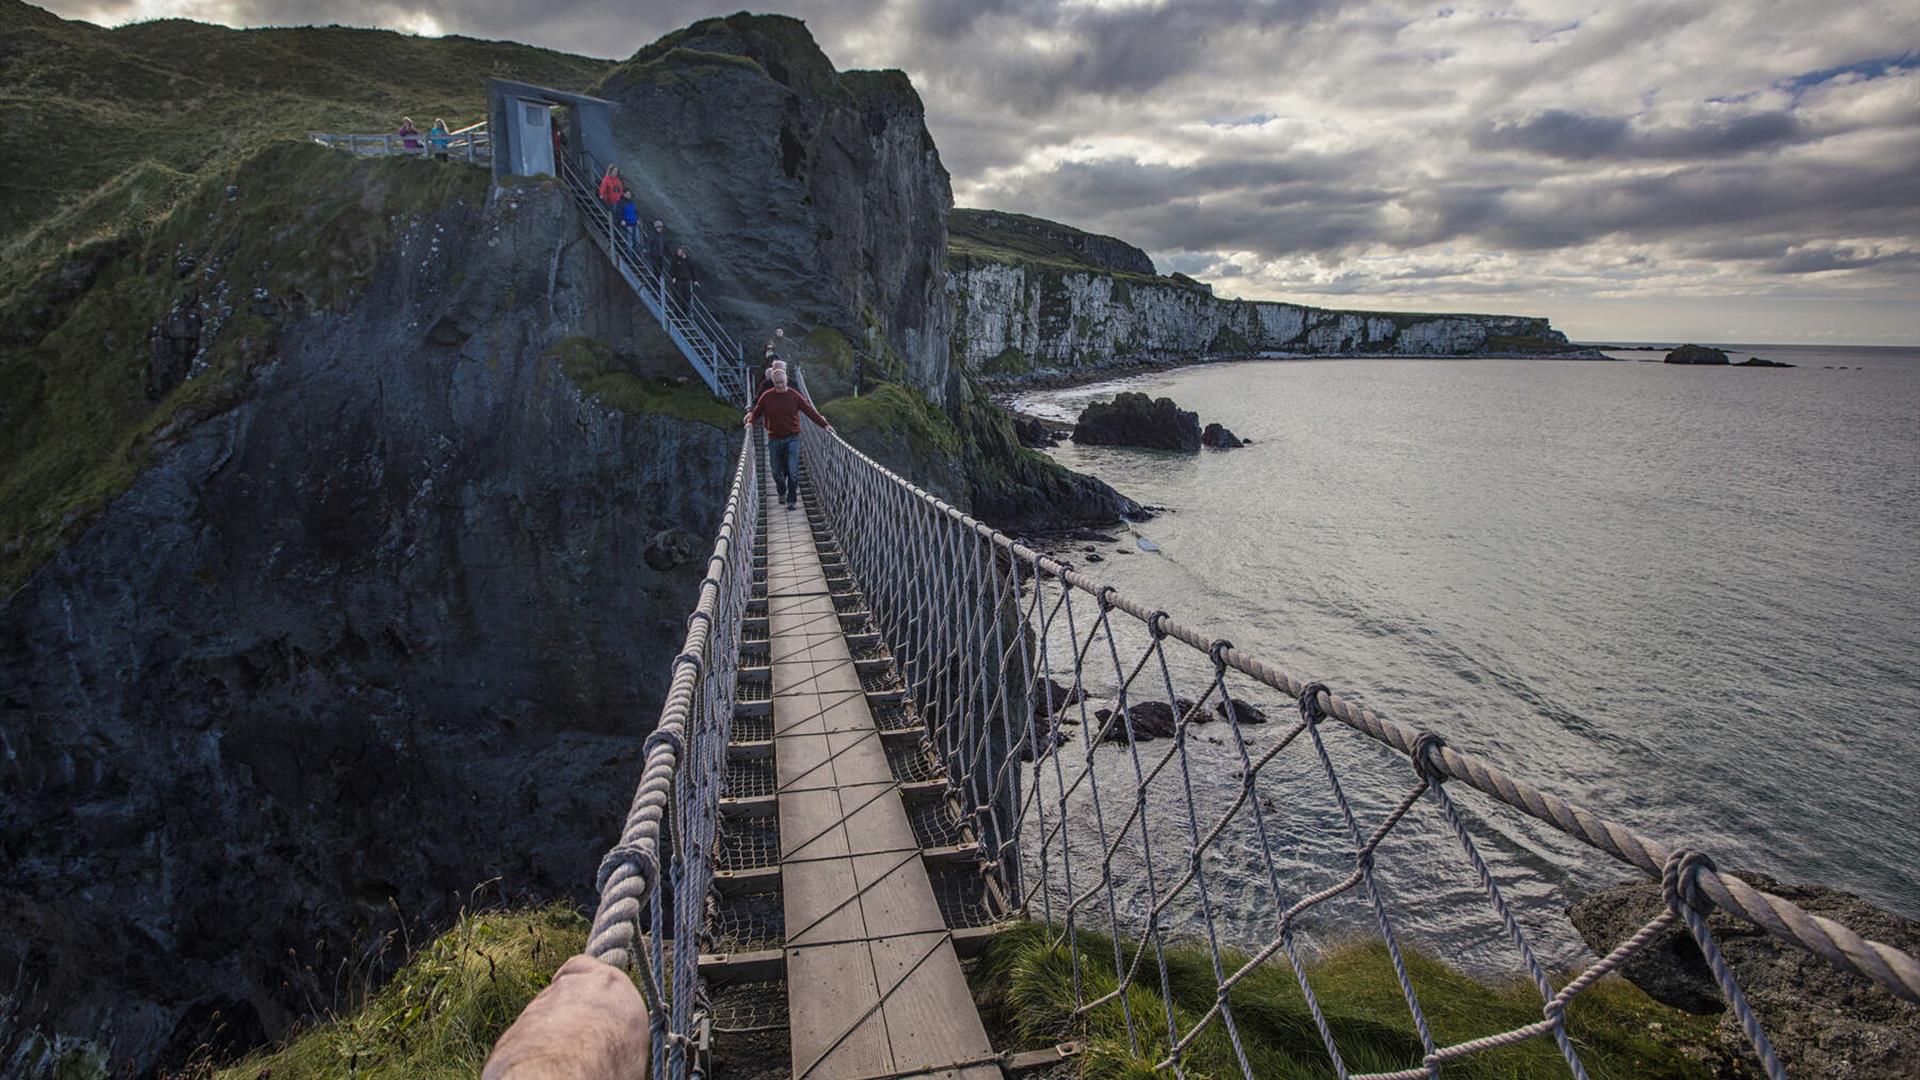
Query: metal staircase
695	332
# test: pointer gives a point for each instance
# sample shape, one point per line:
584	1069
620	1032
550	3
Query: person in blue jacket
630	224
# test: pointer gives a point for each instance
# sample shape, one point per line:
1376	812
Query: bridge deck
874	986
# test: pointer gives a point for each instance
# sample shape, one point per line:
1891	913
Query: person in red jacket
611	187
780	407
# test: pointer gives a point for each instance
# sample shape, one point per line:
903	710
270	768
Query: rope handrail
663	858
977	652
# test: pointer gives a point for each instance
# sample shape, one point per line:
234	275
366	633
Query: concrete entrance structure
520	116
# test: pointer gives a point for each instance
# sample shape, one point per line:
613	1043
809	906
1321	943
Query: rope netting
1066	715
654	883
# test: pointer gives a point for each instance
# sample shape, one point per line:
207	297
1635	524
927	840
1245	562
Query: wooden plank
931	1019
813	825
896	896
836	1030
858	757
820	903
801	762
875	821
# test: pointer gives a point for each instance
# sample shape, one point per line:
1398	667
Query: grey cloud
1817	259
1573	136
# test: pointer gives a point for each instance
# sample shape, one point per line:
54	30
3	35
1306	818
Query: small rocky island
1134	419
1706	355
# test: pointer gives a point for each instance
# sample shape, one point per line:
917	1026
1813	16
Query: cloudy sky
1732	171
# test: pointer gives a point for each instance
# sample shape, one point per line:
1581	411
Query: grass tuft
1026	986
440	1014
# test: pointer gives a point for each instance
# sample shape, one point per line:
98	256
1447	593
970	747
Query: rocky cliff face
388	626
1017	319
1018	232
811	199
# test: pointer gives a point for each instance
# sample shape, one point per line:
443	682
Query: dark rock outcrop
1150	720
814	198
1822	1022
1053	692
1755	361
1134	419
816	201
1033	434
1246	712
1697	354
172	345
378	630
1219	438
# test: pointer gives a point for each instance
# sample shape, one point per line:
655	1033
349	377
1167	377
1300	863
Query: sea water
1687	598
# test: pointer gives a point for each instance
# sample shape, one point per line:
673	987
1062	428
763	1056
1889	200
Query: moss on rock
591	366
302	231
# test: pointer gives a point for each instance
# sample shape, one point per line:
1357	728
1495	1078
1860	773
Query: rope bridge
1084	820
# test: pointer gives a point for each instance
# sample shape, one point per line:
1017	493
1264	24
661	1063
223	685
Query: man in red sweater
780	407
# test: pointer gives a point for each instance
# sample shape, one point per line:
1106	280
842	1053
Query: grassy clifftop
104	130
80	412
441	1014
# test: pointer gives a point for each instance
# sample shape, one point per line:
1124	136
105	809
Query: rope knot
1310	702
699	662
700	613
640	860
1426	757
667	735
1679	880
1156	624
1217	652
1105	596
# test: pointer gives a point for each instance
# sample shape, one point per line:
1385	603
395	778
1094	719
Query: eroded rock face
1134	419
1821	1021
1018	321
810	198
382	631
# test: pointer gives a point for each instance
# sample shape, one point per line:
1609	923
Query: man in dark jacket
657	245
683	279
780	407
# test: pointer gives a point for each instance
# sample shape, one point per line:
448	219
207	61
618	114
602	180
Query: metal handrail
693	326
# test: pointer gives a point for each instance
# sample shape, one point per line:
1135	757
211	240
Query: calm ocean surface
1688	598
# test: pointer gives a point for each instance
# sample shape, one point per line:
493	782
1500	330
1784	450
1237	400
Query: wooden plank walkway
874	987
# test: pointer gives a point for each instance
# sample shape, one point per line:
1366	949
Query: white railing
470	143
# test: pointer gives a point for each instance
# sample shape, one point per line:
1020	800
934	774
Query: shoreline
1000	388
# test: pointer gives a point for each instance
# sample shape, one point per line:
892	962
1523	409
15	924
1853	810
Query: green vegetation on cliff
591	365
81	414
1026	987
439	1015
102	130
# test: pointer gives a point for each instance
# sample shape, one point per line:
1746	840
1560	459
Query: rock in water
1822	1021
1697	354
1032	434
1246	712
1134	419
1754	361
1219	438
